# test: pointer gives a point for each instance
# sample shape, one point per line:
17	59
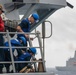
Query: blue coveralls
14	42
24	57
25	26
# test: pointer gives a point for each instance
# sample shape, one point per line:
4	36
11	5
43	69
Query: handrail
50	30
40	44
11	53
17	47
18	33
22	61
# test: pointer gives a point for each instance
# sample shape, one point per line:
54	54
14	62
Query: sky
62	44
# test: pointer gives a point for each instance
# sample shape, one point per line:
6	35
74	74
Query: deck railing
7	33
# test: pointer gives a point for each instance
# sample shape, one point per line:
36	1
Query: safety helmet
23	40
35	16
33	50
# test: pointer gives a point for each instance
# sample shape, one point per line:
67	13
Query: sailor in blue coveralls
25	25
26	56
14	42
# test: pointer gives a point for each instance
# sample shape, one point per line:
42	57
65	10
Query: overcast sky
62	45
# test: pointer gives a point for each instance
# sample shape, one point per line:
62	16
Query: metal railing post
11	53
40	44
31	45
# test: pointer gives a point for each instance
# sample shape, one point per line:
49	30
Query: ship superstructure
70	68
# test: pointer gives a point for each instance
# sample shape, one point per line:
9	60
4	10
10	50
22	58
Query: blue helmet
23	40
35	16
33	50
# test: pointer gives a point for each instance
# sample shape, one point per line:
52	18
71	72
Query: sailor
26	56
26	23
14	42
1	39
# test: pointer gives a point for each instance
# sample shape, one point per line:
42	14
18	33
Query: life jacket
1	25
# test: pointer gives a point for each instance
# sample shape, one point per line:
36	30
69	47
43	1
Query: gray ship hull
70	68
66	68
